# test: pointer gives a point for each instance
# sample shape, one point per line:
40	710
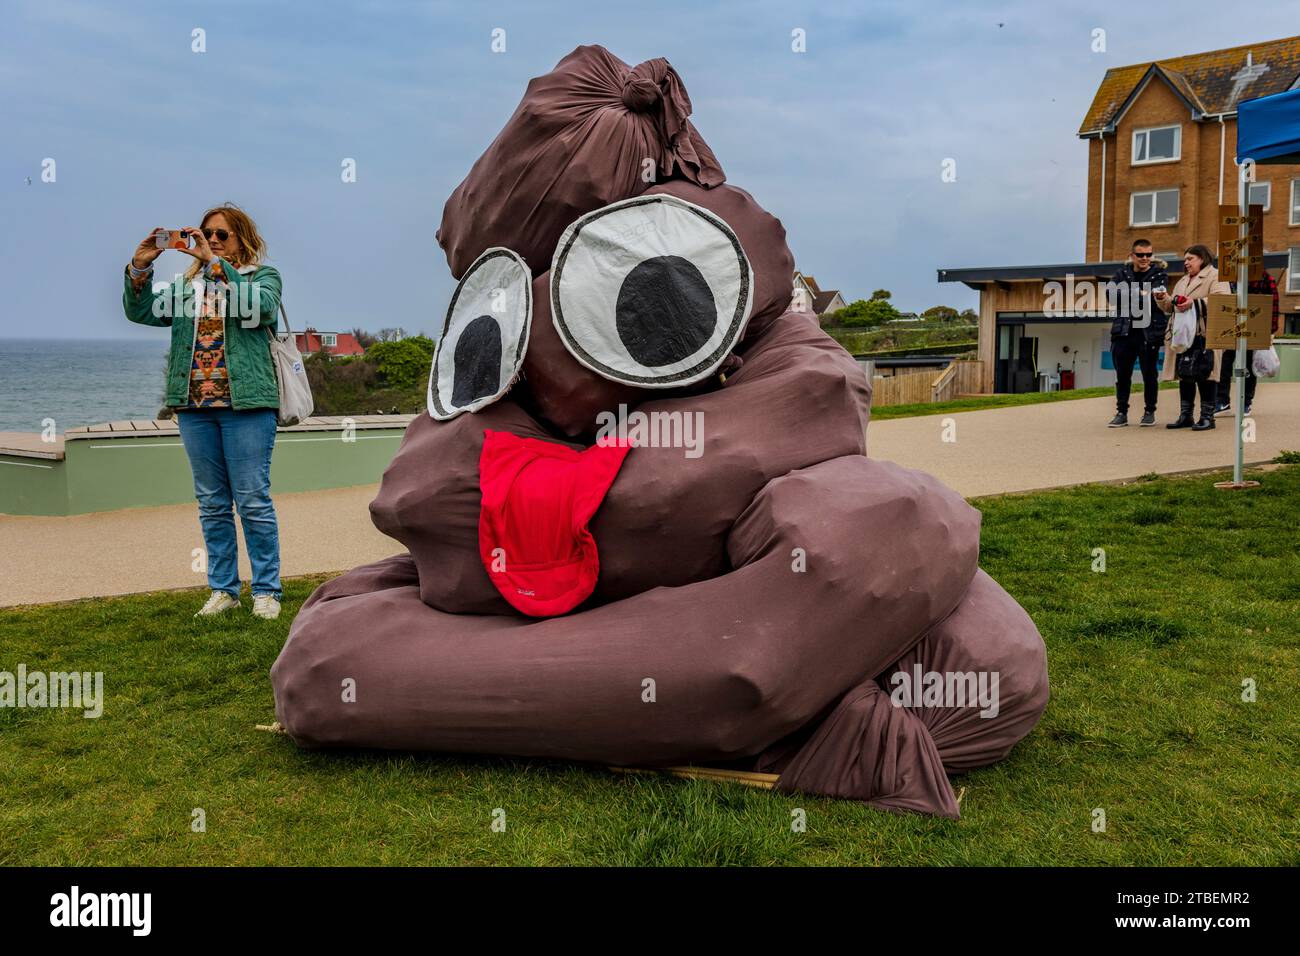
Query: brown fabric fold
867	749
990	633
735	663
880	747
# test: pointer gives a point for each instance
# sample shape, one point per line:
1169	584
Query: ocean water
79	381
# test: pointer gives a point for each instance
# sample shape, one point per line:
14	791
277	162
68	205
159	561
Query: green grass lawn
975	402
1146	722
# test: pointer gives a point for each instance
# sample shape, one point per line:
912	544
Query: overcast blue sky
844	142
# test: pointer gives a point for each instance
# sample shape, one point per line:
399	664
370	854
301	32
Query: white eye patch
652	291
484	336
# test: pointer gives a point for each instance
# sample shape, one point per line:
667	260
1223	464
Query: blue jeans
230	455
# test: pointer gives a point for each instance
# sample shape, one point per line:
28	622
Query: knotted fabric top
591	132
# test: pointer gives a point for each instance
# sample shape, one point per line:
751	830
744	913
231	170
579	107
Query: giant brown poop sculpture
767	590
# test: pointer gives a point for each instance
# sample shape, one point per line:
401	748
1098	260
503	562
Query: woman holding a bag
1186	356
222	383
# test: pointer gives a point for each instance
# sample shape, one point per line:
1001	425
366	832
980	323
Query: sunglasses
221	234
1136	255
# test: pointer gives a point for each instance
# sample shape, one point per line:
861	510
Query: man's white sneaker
218	603
266	606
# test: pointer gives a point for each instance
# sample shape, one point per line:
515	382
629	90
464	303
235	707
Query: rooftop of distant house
821	298
331	343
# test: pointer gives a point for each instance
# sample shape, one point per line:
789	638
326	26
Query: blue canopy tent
1268	132
1268	128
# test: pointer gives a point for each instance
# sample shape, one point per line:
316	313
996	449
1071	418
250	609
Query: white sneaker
266	606
218	603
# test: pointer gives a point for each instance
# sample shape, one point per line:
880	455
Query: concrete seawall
135	464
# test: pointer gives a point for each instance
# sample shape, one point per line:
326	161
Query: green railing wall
103	473
33	486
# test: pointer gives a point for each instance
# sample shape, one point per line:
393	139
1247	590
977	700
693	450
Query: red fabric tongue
538	497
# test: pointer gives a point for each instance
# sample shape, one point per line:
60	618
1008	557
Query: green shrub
864	314
404	363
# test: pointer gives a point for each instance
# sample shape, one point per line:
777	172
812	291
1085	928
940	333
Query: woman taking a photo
221	382
1197	368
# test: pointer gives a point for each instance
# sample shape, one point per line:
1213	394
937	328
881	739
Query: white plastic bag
1265	363
296	402
1184	331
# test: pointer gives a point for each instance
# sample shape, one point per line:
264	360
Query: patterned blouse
209	380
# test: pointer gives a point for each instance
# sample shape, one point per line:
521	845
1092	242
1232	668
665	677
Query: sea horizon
82	338
77	381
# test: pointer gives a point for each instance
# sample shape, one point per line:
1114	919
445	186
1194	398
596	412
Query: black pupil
477	360
665	311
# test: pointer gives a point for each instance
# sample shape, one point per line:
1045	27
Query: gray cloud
844	143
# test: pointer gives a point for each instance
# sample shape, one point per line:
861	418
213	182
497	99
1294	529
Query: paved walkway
150	549
1067	443
996	450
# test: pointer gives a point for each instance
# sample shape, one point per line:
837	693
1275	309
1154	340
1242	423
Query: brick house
331	343
1161	157
1162	139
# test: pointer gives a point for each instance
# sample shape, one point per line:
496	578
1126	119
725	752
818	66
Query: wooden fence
905	389
959	378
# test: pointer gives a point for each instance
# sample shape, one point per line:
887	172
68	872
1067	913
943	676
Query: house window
329	340
1158	207
1295	202
1160	144
1293	272
1260	194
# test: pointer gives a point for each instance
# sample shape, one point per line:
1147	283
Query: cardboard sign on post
1221	328
1232	245
1239	321
1231	216
1229	270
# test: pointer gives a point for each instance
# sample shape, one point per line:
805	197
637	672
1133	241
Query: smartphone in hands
173	239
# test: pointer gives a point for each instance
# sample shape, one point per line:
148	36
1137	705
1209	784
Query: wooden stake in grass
274	728
764	781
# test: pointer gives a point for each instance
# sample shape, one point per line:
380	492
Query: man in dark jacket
1137	329
1223	406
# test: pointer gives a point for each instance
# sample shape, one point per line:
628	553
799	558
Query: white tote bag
296	402
1184	331
1265	363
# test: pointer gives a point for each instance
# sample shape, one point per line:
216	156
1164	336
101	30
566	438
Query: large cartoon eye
484	336
653	291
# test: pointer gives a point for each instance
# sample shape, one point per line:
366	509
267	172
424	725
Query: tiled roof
822	299
345	343
1179	82
1211	82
